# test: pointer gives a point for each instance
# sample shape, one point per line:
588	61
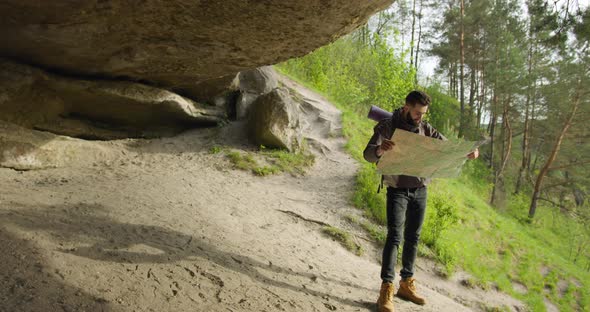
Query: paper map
421	156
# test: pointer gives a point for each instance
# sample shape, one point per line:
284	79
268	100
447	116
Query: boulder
258	81
320	121
274	121
243	104
252	84
194	48
98	109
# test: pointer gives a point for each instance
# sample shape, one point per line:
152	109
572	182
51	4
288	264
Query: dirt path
165	225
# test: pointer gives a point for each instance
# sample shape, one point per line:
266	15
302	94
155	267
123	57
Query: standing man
406	200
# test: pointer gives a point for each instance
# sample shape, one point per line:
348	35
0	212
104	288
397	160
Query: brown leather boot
407	290
385	301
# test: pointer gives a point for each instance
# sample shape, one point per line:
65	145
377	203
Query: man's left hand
474	154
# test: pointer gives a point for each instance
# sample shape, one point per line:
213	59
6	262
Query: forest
514	72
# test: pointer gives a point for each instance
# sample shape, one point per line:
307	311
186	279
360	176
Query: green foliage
477	175
345	239
359	75
582	27
444	111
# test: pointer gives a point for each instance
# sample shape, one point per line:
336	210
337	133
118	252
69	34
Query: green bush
365	195
444	111
447	252
477	174
442	214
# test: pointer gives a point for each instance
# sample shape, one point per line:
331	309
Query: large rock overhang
192	47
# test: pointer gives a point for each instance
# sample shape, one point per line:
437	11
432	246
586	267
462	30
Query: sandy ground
165	225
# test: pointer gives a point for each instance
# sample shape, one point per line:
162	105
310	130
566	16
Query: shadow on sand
107	240
26	284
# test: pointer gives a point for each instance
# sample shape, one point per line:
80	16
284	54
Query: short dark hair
418	97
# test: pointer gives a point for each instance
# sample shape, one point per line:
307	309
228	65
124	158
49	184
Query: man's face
416	112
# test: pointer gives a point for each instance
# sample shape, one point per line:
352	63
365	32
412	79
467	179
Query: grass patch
242	160
376	232
499	249
497	309
344	238
271	161
215	149
284	161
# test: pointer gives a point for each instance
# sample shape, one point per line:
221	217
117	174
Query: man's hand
386	145
474	154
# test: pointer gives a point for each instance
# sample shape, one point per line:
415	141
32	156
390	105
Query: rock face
87	109
279	118
24	149
194	48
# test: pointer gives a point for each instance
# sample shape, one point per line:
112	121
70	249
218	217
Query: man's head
416	107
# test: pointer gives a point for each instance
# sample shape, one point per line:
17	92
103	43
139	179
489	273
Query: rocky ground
166	225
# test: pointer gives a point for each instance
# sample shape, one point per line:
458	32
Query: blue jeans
405	211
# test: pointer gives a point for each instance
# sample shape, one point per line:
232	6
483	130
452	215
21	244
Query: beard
410	120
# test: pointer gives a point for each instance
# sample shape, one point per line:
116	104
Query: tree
542	25
566	118
578	97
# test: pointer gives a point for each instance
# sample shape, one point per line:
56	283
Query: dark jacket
385	129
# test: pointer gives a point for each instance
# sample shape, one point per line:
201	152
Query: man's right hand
386	145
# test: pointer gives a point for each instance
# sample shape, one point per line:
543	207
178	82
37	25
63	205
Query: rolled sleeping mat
376	113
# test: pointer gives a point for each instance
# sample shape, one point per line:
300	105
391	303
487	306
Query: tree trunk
525	135
553	155
493	128
419	38
482	98
461	77
413	31
454	91
506	148
507	125
363	35
531	132
472	93
451	70
484	88
457	80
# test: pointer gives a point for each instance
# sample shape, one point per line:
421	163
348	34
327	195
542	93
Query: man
406	199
